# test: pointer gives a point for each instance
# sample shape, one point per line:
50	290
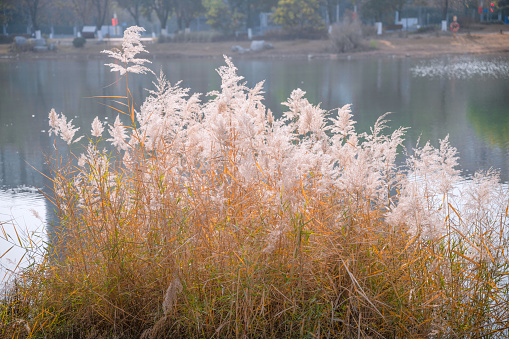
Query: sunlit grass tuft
215	219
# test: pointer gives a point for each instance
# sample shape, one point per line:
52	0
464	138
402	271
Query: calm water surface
473	111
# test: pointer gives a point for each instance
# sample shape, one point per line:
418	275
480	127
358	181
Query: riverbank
493	39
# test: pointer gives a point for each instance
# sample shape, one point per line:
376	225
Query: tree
297	14
445	9
503	4
249	8
265	5
458	5
163	9
6	9
32	7
331	6
82	9
379	9
101	9
58	13
134	7
228	16
471	4
223	17
400	4
186	11
245	8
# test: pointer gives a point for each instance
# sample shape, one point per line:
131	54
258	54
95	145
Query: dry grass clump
348	35
216	220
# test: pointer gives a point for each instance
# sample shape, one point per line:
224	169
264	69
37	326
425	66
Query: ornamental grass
211	218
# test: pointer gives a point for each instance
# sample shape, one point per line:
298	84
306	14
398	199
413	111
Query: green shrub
79	42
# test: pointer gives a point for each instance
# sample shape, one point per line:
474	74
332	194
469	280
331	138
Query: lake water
450	95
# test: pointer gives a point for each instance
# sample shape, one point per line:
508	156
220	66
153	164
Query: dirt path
418	45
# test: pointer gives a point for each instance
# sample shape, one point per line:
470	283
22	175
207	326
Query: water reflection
23	213
490	124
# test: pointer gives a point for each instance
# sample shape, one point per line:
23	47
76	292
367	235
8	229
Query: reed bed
214	219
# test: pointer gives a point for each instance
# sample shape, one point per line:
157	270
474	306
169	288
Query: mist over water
428	96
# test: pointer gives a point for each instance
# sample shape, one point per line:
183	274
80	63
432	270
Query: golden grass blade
359	289
465	257
20	260
120	103
455	211
3	231
106	96
1	256
17	235
113	108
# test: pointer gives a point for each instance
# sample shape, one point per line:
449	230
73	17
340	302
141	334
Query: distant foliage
298	15
79	42
381	10
222	17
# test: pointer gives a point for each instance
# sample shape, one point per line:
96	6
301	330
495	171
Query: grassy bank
190	218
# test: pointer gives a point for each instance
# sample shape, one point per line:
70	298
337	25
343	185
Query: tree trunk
162	19
180	22
102	9
33	7
162	9
331	9
446	9
249	19
187	21
135	13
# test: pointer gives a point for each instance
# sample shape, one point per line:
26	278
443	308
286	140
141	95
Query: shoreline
395	44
